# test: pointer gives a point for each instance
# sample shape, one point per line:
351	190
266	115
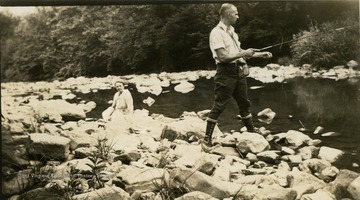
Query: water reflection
327	100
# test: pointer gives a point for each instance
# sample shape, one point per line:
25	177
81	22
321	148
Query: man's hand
248	53
265	54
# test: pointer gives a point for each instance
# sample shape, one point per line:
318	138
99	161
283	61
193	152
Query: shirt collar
224	27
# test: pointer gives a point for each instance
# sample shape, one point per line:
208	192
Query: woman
122	102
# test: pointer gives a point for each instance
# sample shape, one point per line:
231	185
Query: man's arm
224	57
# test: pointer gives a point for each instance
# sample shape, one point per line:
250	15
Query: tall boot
206	144
249	124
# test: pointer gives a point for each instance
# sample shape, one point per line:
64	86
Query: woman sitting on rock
122	103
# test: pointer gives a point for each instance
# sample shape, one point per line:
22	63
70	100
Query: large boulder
187	127
144	180
49	146
252	142
354	188
65	109
193	180
330	154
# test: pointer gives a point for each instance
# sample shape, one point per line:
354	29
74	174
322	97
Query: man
231	72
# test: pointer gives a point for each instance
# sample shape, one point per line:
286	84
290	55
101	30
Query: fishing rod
300	38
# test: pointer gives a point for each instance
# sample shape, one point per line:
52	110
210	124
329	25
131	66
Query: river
298	103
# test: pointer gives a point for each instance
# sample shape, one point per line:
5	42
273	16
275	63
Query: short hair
120	81
224	9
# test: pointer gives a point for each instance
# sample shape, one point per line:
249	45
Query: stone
266	115
330	154
354	188
108	192
319	194
63	108
304	183
42	193
48	146
206	163
196	195
194	180
314	165
344	178
144	180
186	127
268	156
184	87
275	192
252	142
296	138
18	183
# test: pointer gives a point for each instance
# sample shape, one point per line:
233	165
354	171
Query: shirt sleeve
129	101
216	40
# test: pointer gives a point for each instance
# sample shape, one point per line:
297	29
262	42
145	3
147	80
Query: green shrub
328	44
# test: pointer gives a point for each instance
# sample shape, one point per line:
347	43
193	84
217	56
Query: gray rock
339	186
330	154
111	192
252	142
48	146
304	183
275	192
314	165
354	188
194	180
196	195
319	194
144	180
268	156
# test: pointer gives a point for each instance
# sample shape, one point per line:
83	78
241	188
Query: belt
230	68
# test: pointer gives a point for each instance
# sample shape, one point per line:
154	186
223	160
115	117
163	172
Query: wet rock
330	134
266	115
252	142
184	87
330	154
48	146
108	192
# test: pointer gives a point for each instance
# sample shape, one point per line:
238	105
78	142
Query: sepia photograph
180	100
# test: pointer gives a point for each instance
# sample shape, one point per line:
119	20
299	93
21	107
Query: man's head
228	14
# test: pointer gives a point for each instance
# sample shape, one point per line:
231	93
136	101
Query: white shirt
124	102
224	37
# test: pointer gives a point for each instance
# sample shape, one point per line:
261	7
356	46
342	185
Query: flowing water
298	103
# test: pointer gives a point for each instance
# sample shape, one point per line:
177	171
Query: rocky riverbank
51	150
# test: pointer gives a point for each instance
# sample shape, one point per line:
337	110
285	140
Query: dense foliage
326	45
67	41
